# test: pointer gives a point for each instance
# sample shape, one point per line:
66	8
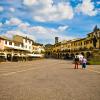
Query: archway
67	56
72	56
15	57
2	57
9	57
88	54
82	53
77	53
47	54
58	55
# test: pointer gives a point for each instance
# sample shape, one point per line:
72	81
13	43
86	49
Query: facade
1	43
84	46
26	42
18	47
38	48
48	50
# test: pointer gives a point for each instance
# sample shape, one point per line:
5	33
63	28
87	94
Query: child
84	61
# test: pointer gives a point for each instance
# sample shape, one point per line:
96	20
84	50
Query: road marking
93	71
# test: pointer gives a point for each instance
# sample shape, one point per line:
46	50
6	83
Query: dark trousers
84	65
76	65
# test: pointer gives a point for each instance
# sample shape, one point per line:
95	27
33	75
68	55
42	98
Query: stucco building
18	46
84	46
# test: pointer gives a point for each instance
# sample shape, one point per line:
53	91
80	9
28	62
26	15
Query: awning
35	55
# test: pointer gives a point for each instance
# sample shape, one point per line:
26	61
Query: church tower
56	39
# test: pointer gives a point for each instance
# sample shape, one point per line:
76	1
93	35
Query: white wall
29	45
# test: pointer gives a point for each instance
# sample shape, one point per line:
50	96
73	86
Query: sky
43	20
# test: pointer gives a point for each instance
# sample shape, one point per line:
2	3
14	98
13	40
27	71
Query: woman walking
84	61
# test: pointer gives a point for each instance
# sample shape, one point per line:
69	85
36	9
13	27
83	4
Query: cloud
12	9
63	28
13	21
11	33
87	8
20	27
23	25
29	2
98	2
1	9
42	3
43	33
36	32
1	24
46	10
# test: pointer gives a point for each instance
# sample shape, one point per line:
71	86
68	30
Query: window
10	43
5	42
91	41
81	43
22	45
16	44
30	41
29	47
89	35
25	40
87	42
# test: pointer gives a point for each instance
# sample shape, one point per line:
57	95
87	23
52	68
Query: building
27	42
84	46
56	40
16	48
48	50
38	48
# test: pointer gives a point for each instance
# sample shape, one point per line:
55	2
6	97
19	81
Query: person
76	62
84	61
80	58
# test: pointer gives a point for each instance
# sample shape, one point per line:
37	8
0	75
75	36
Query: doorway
9	57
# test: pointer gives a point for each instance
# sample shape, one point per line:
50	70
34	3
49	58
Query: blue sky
42	20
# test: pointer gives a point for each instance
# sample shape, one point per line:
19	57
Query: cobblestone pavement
48	79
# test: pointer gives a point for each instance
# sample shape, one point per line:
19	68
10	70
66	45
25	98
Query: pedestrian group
80	60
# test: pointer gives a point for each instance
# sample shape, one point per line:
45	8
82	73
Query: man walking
76	62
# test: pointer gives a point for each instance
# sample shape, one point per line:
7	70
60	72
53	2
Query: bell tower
56	40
